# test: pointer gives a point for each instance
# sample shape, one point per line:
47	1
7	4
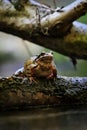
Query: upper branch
45	26
61	21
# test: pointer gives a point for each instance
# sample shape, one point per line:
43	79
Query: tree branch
54	31
18	93
61	21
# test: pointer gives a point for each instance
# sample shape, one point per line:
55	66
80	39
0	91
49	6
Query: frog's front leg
32	80
53	74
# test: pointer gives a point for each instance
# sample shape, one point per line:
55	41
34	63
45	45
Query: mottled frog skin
40	66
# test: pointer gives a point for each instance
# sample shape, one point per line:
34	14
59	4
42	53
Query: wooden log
18	93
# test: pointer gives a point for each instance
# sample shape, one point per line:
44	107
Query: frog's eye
51	52
38	56
42	53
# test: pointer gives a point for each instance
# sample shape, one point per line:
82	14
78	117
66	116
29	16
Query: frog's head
45	57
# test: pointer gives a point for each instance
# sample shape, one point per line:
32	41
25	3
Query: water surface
45	119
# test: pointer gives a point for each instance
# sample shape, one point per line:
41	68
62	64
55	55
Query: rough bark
18	93
50	28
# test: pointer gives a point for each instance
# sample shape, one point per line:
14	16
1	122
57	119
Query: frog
40	66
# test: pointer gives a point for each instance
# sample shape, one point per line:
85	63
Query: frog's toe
51	76
32	80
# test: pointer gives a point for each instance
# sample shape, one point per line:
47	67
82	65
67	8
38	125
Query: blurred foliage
83	19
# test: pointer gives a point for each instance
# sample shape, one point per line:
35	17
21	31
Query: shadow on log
18	93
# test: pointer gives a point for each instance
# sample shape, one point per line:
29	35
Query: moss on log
18	93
